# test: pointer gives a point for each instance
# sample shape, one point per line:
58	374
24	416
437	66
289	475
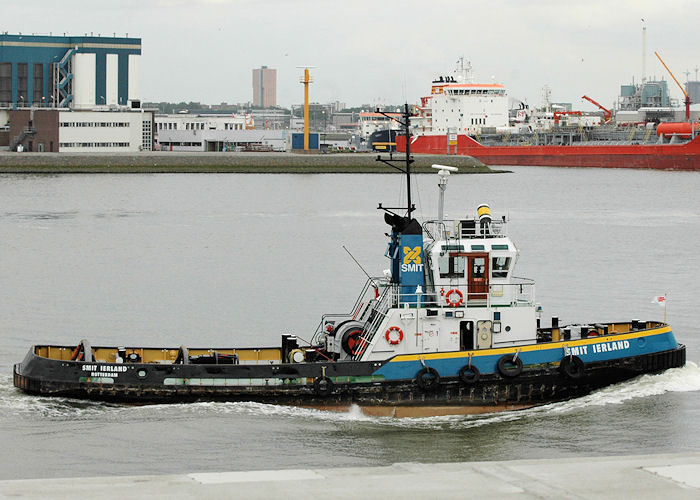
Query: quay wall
169	162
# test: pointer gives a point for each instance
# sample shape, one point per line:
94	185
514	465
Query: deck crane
607	114
687	97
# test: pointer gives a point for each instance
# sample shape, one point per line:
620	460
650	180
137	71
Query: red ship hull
652	156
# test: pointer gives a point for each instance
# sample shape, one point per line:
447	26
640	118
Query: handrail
355	308
379	311
519	292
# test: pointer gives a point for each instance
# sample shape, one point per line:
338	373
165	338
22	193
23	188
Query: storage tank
680	129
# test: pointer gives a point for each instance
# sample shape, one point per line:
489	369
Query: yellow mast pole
306	81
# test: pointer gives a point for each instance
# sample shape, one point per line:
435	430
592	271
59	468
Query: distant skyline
377	53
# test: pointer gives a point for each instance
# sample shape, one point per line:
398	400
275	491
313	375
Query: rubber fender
323	386
428	379
509	366
469	374
572	366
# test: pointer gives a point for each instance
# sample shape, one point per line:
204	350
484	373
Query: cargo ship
667	156
466	118
448	329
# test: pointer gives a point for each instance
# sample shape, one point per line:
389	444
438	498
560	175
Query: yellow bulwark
162	355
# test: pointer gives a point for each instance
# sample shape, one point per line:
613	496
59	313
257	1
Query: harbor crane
687	97
607	114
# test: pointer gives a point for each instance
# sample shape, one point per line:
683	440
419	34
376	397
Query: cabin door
483	331
477	276
466	335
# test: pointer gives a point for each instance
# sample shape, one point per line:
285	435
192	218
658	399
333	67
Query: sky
382	52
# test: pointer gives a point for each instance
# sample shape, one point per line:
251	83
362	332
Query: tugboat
448	329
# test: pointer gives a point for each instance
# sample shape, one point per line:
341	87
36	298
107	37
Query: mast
406	124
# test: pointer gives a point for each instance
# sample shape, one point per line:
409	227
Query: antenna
444	173
644	51
359	265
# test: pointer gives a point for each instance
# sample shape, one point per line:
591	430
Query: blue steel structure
51	55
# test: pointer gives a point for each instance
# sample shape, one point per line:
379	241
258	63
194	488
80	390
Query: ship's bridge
470	262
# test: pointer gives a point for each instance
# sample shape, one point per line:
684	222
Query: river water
224	260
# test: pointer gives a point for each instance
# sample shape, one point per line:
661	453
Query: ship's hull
382	140
395	387
684	156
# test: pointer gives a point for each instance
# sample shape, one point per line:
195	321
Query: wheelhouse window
500	266
451	266
478	267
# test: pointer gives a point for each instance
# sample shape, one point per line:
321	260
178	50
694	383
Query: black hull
381	140
491	392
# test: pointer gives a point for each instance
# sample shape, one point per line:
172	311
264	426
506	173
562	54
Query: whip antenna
359	265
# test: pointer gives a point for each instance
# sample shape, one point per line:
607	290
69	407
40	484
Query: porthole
142	373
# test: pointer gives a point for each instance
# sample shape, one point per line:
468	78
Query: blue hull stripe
605	348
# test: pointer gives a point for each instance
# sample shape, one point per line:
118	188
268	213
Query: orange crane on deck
607	114
687	97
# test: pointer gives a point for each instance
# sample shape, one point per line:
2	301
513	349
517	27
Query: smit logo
412	260
411	255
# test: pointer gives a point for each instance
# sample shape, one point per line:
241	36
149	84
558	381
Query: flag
661	300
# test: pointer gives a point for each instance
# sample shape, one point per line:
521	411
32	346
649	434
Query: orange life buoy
393	340
457	302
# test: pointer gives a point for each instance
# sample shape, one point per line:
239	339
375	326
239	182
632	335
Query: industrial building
186	121
264	87
222	140
72	94
215	132
68	71
74	131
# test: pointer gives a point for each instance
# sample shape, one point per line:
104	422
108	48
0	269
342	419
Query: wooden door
477	276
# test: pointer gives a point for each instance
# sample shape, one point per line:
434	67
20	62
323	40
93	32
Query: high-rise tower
264	87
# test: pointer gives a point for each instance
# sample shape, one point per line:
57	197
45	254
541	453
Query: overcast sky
380	52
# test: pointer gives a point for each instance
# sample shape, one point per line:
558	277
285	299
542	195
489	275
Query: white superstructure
373	122
467	296
458	105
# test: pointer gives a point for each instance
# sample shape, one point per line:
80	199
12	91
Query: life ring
451	303
469	374
572	366
393	340
509	366
323	386
428	378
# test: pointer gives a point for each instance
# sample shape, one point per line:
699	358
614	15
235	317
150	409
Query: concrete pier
178	162
674	476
